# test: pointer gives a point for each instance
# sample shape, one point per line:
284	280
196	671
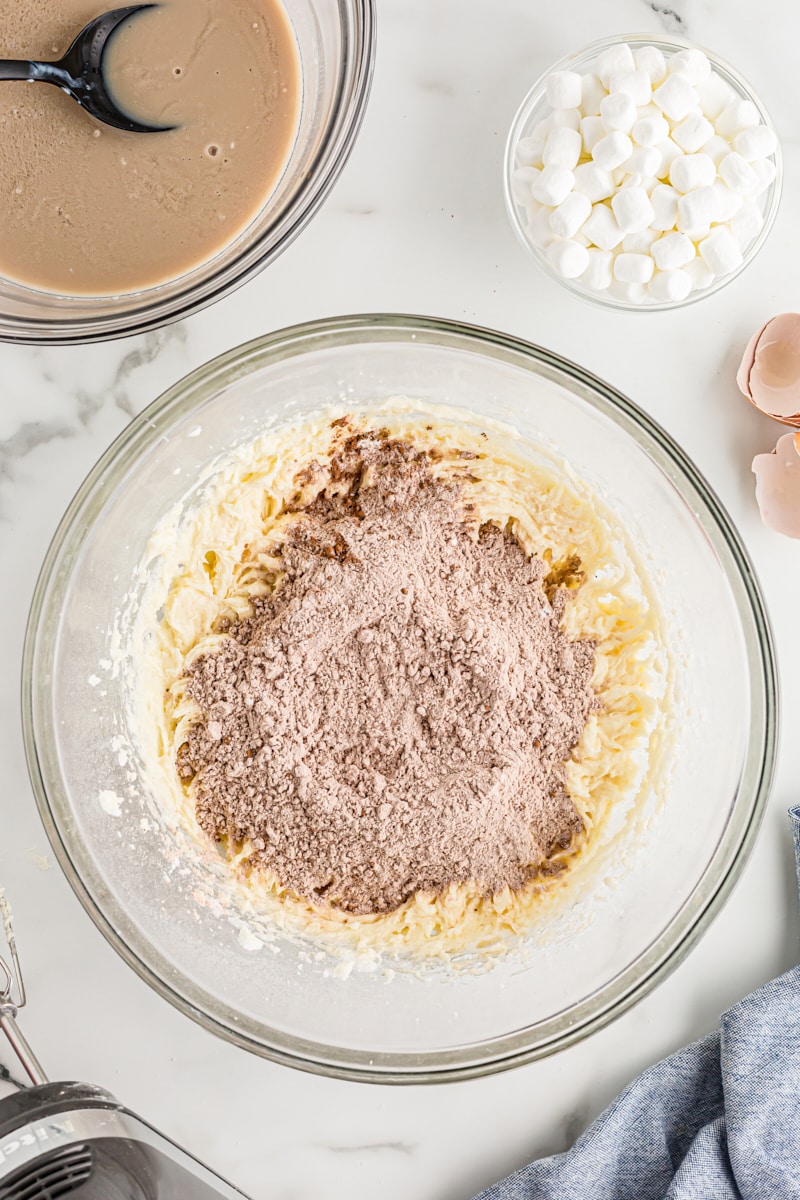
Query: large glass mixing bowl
440	1025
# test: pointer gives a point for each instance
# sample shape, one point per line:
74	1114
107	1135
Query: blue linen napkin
719	1120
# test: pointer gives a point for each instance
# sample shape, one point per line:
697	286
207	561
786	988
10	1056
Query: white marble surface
415	224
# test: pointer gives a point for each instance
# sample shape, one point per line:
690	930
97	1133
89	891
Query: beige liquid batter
90	210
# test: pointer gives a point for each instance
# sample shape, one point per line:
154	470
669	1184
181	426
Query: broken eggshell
778	486
769	373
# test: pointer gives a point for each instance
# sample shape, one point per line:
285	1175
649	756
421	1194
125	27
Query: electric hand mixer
73	1140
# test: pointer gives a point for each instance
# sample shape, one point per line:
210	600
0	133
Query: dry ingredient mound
396	715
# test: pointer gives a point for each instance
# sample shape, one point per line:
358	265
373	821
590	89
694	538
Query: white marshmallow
539	230
649	182
602	228
698	273
618	112
582	239
670	286
738	174
522	181
692	63
543	127
567	258
567	118
528	151
747	223
673	251
630	293
675	97
592	129
758	142
613	60
650	131
692	133
633	268
633	209
721	252
691	171
639	243
598	274
593	93
669	152
645	161
552	185
650	59
696	210
664	200
716	148
714	95
635	84
727	203
622	177
593	182
567	218
562	148
739	115
564	89
765	171
612	150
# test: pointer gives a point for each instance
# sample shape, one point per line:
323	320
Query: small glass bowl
535	107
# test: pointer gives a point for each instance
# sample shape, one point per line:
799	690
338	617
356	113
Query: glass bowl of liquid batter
106	233
675	853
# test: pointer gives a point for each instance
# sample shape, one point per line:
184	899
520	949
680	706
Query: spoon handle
18	68
23	69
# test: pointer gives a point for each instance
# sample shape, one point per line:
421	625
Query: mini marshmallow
675	97
615	59
670	286
618	112
721	252
602	228
691	63
714	94
639	243
543	127
635	84
528	151
673	251
669	152
562	148
599	273
552	185
758	142
738	174
645	161
716	148
592	129
696	210
633	210
739	115
567	118
727	202
692	133
631	293
747	223
765	171
593	182
567	218
691	171
649	182
564	89
522	181
698	273
568	259
650	131
539	230
651	60
612	150
593	93
633	268
664	200
622	177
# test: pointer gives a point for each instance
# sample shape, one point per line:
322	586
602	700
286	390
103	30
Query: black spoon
80	72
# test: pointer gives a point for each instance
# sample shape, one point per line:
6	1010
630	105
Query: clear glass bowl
336	44
534	107
444	1025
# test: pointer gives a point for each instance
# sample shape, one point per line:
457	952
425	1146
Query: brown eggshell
769	373
778	486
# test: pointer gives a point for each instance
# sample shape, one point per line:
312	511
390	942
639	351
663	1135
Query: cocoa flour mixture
396	715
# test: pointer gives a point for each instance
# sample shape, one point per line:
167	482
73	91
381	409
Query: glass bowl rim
355	70
747	809
534	97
